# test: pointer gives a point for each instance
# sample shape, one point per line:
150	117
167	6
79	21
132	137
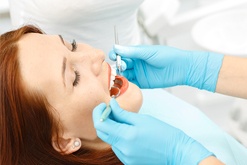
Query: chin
131	99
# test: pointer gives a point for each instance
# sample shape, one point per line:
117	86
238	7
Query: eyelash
77	78
74	45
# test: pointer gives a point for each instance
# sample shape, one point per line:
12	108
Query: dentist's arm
142	139
233	77
164	66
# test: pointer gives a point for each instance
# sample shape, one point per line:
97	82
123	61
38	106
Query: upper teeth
113	70
113	74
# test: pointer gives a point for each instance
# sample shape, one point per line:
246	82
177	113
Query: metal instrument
118	60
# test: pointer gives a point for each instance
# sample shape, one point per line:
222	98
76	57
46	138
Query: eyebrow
60	36
64	63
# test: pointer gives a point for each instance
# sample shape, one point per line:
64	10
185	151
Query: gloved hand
162	66
142	139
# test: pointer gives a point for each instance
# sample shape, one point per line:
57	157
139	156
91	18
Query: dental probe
107	111
118	60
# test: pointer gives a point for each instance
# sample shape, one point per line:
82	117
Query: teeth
113	70
112	81
113	74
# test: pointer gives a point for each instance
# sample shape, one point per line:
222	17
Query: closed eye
77	78
74	45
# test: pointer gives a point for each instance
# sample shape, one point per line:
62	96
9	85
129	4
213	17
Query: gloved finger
111	131
138	52
98	124
97	112
124	66
103	136
129	74
112	55
125	62
128	62
109	127
121	115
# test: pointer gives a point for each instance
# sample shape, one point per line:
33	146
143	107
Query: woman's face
73	81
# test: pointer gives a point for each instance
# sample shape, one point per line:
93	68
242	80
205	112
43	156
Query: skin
41	60
211	160
232	78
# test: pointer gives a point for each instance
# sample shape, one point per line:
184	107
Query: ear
66	146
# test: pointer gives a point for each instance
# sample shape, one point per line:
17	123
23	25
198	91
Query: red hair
26	123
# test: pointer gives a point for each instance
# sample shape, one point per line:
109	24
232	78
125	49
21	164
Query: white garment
88	21
176	112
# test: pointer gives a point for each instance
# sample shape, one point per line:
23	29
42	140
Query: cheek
131	100
82	116
89	97
88	94
93	97
94	91
87	126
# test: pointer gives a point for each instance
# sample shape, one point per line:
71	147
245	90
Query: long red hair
26	121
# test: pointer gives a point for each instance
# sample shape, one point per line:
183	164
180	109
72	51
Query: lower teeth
114	92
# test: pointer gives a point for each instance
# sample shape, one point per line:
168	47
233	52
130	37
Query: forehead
34	41
40	57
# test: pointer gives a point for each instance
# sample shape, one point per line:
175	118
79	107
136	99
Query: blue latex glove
142	139
162	66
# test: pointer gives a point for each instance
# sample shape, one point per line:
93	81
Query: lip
109	75
120	82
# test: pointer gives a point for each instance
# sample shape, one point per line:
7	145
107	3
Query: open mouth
118	84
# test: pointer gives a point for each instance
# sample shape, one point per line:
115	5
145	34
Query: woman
48	91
